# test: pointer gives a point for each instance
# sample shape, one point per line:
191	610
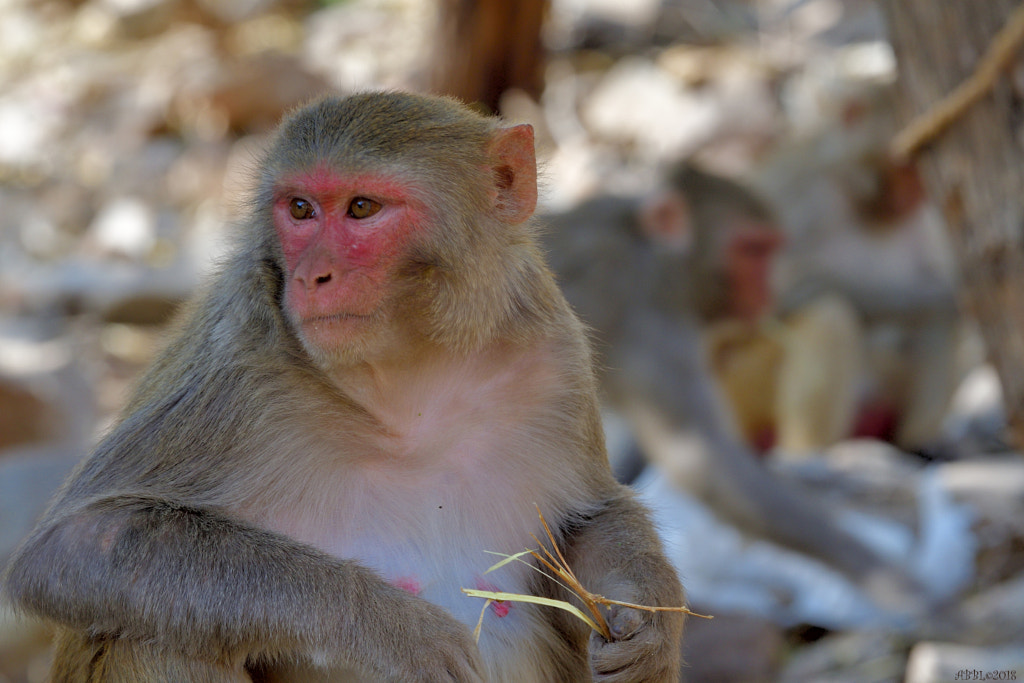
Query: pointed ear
666	221
513	166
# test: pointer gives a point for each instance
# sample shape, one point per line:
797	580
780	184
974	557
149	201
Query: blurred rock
255	92
993	617
238	10
727	571
619	27
143	309
50	396
134	19
25	652
24	416
899	507
848	658
752	653
866	473
977	418
947	545
126	227
116	291
42	388
45	397
639	105
363	44
27	123
28	479
994	485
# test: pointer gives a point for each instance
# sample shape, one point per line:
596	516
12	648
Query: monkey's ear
666	221
514	170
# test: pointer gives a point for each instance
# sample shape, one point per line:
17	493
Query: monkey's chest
465	463
429	517
431	532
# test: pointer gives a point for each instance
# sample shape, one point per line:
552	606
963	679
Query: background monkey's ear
666	221
514	168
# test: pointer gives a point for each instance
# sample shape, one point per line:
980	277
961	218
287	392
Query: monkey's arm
667	389
215	589
927	298
616	553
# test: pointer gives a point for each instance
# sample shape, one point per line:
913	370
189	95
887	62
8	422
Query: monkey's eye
361	207
300	209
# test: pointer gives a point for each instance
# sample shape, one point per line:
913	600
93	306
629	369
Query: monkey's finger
633	659
623	622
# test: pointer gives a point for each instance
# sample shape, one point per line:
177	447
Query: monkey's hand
428	645
643	647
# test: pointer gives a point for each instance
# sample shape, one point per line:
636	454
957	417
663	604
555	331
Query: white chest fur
465	455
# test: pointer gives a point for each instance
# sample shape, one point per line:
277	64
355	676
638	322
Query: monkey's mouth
315	320
343	322
332	317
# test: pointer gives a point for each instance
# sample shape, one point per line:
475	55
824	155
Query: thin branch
930	124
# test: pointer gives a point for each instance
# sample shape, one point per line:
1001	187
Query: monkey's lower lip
333	318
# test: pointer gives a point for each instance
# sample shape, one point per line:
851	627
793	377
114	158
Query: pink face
343	237
749	256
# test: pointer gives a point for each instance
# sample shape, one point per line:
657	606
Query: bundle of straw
554	562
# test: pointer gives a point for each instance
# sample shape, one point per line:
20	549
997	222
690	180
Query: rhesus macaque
378	387
648	276
878	275
729	239
866	283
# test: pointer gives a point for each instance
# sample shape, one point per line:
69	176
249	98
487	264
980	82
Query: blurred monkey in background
651	277
867	269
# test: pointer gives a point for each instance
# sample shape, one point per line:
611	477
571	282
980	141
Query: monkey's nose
311	279
315	271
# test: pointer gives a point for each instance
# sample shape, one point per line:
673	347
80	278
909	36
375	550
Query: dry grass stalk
560	572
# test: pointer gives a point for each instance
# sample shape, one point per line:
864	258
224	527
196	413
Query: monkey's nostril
323	279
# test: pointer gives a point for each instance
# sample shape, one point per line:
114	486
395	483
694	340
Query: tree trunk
975	168
486	47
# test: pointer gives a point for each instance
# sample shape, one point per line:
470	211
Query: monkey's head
391	216
727	235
